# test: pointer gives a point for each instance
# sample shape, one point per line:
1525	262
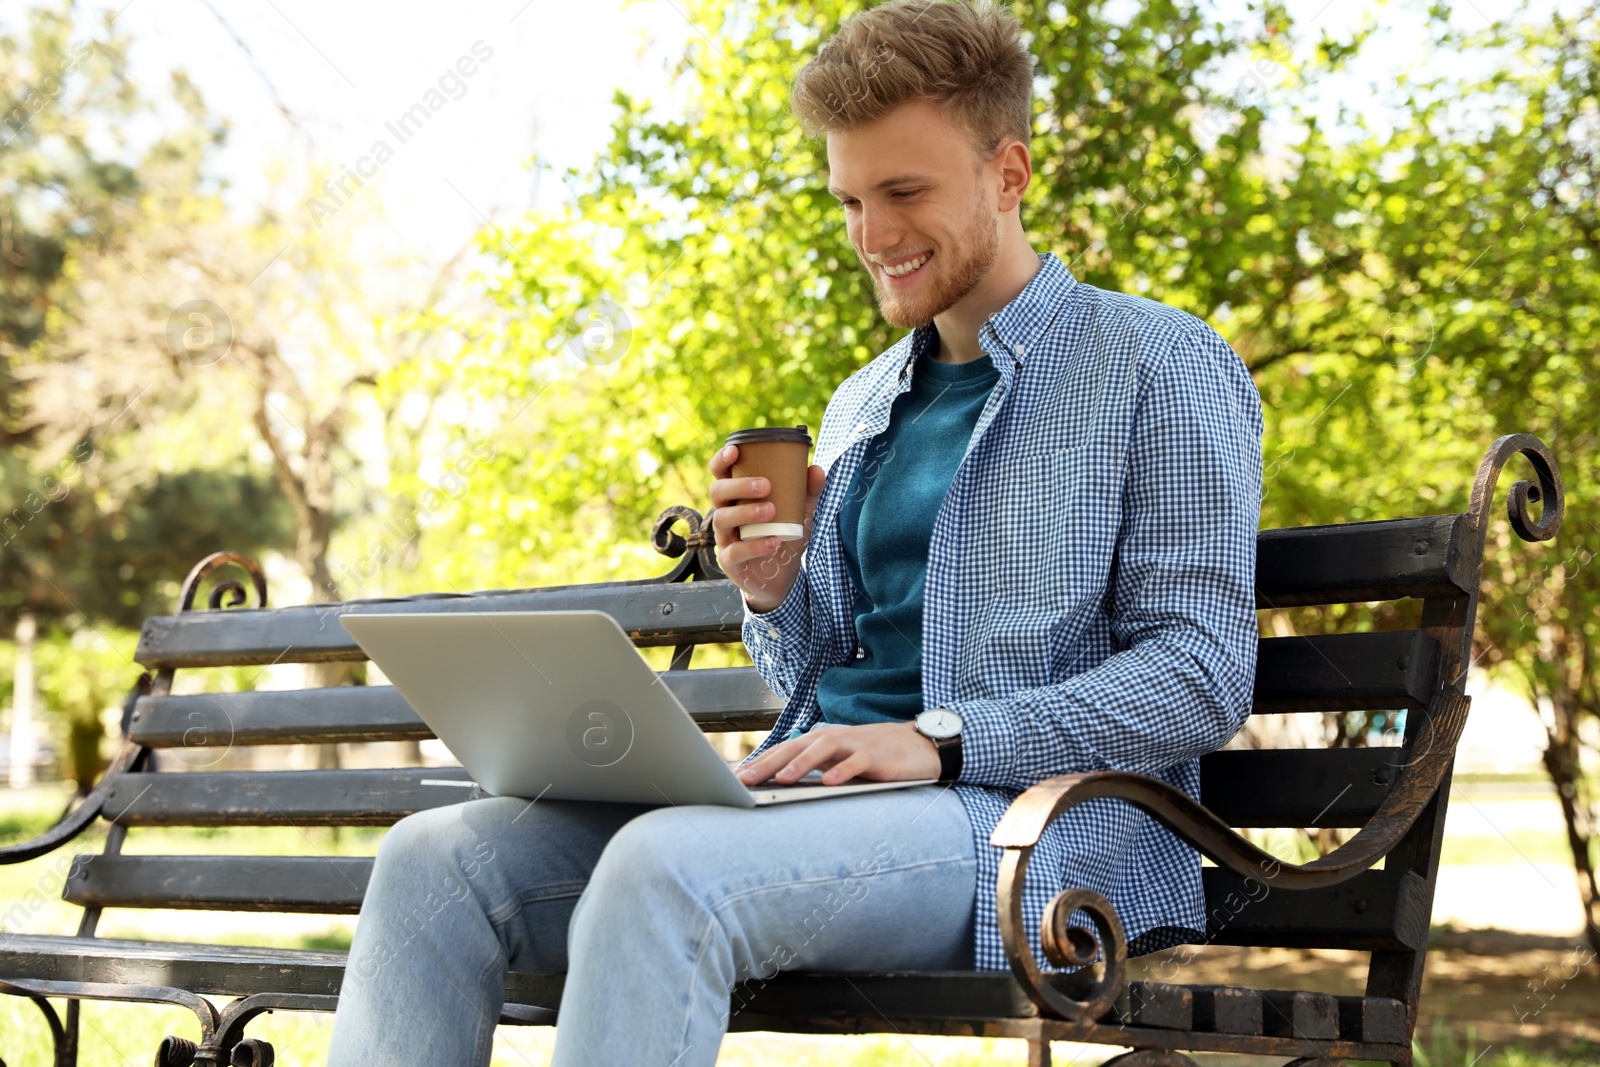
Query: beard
955	273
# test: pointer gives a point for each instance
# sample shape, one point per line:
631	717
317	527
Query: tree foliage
94	528
703	280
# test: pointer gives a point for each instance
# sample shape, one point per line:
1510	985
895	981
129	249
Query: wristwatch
943	727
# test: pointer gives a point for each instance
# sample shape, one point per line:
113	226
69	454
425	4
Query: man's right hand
764	569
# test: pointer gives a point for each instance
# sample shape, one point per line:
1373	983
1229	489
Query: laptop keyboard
810	778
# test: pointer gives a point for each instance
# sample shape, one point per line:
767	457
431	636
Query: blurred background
458	297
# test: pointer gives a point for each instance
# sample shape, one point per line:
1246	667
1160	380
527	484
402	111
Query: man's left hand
879	752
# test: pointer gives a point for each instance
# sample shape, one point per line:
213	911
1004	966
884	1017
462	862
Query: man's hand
878	752
764	569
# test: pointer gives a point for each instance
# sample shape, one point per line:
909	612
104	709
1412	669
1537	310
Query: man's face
942	206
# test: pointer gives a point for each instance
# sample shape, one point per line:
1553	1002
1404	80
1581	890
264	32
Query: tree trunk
83	751
1562	763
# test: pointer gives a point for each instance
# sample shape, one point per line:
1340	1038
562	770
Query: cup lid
770	433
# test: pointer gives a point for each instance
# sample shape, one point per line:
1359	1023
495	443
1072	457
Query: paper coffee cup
782	455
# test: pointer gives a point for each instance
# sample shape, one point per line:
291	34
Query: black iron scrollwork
698	550
1548	492
1064	945
232	589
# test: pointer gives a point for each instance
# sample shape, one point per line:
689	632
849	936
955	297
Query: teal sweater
886	525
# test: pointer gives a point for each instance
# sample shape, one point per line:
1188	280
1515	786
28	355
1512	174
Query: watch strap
949	757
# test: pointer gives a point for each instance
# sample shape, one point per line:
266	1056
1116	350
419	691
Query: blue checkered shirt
1089	597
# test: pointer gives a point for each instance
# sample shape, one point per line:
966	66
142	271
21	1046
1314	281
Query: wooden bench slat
719	698
652	613
209	970
1155	1004
1265	788
906	997
1361	561
1300	1013
229	971
1244	1010
1339	672
1373	1019
281	798
267	717
1372	911
322	885
1352	562
1227	1010
1384	669
1298	787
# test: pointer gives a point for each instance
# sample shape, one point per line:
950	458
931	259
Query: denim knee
433	848
645	863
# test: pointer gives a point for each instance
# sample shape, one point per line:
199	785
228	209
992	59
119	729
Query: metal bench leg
67	1052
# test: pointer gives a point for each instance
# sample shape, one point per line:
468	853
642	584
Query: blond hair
966	56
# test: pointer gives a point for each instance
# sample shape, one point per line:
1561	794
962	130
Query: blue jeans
665	919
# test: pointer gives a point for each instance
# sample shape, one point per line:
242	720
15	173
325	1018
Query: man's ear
1013	165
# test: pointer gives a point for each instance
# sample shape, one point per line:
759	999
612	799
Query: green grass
27	814
1460	1048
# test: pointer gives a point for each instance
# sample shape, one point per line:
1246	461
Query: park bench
1395	795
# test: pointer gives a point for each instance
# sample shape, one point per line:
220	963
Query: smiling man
1032	544
1029	551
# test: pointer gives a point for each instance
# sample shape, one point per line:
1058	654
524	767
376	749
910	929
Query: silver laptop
561	704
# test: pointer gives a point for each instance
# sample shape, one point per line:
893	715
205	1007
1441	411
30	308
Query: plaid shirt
1090	589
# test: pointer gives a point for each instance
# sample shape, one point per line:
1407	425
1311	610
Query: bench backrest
1433	560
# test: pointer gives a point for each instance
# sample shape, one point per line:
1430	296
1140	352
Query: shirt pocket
1039	517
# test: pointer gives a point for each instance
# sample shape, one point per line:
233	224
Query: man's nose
878	233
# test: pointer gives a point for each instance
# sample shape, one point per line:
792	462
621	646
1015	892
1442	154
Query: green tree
89	527
1492	233
1454	301
703	280
61	98
97	524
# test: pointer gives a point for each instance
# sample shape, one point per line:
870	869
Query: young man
1029	551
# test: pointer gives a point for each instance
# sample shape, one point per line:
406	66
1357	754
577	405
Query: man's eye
902	193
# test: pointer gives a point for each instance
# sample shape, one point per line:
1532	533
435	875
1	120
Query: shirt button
1021	350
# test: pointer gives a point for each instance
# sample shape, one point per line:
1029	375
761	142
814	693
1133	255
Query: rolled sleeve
779	641
988	741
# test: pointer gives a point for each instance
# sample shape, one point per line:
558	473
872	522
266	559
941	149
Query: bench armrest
1430	756
79	818
1025	820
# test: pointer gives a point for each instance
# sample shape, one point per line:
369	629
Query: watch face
939	723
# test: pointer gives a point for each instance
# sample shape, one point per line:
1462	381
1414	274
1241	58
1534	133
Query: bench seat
934	1002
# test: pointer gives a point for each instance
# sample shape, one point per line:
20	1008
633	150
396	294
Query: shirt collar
1018	327
1015	329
